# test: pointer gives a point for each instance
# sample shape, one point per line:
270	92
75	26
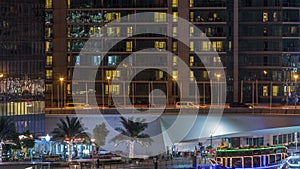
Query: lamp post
211	140
108	78
219	95
296	78
61	94
47	138
174	79
86	95
93	144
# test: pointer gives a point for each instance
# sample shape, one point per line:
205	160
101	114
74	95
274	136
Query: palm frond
69	128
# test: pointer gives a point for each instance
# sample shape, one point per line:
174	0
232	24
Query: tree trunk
131	149
1	152
70	150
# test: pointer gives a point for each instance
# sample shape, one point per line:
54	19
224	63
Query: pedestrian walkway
175	163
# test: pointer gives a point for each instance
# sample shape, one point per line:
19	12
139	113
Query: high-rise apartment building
268	49
257	43
22	68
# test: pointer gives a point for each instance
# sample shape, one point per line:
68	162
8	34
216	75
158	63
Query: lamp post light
108	78
296	78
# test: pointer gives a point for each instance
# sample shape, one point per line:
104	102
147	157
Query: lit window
48	3
175	46
192	46
174	31
265	16
112	60
217	59
69	59
205	46
110	31
293	29
175	16
48	88
218	45
97	60
92	31
112	73
175	74
113	31
205	75
191	16
160	74
160	45
229	45
191	60
69	87
48	32
49	74
275	90
129	31
128	46
174	60
69	3
47	46
160	17
69	46
49	60
114	89
192	75
191	3
110	16
191	31
77	60
174	3
265	91
275	18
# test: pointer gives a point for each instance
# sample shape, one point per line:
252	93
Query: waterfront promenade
175	163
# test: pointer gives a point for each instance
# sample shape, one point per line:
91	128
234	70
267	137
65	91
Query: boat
250	157
291	162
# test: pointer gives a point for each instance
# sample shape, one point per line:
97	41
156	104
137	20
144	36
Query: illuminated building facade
22	65
257	42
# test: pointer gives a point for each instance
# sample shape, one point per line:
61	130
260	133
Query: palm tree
7	132
69	130
131	133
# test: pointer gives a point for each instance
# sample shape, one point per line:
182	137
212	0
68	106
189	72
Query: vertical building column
183	50
236	51
268	139
59	46
169	85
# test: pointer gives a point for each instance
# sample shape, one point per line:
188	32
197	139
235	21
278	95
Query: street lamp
93	144
174	79
296	78
61	79
47	138
108	78
219	95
